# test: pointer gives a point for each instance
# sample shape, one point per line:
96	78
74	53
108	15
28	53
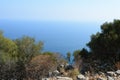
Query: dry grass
40	66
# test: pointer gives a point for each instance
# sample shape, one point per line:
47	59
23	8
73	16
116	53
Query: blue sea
57	36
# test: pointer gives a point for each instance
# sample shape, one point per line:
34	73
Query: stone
68	67
81	77
50	74
118	72
110	78
64	78
56	73
62	66
111	73
45	79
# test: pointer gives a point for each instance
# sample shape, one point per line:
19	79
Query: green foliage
80	56
105	46
51	54
84	53
48	53
28	48
76	55
14	55
22	58
108	40
8	49
69	56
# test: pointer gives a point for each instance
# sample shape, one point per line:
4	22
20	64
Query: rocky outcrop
62	73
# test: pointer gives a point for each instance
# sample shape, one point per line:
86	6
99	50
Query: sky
60	10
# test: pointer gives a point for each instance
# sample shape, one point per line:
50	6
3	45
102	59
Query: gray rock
110	78
118	72
68	67
62	66
81	77
45	79
111	73
56	73
50	74
64	78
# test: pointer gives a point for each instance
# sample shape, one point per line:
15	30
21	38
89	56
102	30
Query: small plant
73	73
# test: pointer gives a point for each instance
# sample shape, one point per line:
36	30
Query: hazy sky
60	10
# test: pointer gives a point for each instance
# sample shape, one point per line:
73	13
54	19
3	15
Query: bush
12	71
73	73
40	66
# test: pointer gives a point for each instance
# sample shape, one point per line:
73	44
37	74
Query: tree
105	45
8	49
76	55
15	55
108	40
28	48
77	58
9	69
84	53
69	56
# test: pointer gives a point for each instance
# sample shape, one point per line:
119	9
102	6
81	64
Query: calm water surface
57	36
